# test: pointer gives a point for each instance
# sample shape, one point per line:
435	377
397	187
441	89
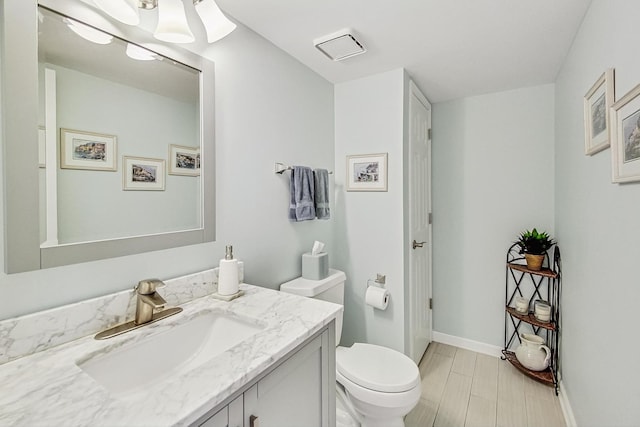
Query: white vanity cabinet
297	391
229	416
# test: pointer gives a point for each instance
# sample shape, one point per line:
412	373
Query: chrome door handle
417	245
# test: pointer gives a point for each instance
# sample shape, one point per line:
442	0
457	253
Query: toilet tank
330	289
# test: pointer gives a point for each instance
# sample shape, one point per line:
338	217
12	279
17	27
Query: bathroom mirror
120	172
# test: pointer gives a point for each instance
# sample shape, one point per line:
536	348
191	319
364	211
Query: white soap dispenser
228	274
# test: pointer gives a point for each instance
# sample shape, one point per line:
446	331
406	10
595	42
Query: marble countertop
47	388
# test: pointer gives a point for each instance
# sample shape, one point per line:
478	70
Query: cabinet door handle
253	421
417	245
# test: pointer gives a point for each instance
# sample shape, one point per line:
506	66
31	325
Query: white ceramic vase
532	353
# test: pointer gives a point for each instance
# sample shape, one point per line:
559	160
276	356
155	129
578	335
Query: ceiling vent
340	45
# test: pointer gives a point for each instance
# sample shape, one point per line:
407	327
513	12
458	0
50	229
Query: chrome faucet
148	300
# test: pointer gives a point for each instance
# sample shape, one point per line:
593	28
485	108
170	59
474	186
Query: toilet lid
377	368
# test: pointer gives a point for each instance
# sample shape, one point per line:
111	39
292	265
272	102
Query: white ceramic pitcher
532	353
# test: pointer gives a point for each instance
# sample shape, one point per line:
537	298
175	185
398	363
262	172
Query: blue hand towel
302	206
322	193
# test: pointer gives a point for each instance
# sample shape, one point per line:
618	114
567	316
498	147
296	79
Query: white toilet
378	385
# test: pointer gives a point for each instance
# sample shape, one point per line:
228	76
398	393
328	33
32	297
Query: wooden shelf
523	268
531	319
545	376
543	284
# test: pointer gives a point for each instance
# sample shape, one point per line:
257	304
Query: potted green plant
534	246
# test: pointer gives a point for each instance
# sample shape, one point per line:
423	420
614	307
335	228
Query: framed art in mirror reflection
184	160
140	173
87	150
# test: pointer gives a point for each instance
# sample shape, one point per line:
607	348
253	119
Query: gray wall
492	178
269	108
369	225
596	224
145	124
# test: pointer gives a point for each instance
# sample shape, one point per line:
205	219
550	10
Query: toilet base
344	419
372	415
384	422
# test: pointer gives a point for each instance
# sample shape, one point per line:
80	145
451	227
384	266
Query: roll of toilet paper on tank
377	297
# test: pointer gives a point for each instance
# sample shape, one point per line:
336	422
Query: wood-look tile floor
461	388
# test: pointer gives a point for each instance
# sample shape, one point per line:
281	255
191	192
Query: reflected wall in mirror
110	105
146	102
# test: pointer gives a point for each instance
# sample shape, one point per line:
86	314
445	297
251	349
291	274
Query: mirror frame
19	73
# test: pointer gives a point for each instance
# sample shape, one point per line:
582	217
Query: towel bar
280	168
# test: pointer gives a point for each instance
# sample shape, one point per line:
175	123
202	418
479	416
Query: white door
419	223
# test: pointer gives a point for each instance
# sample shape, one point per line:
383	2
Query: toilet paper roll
377	297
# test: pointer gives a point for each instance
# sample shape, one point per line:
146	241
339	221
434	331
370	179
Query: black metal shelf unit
541	284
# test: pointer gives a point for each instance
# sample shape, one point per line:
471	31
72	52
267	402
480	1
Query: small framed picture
87	150
625	137
140	173
184	160
367	172
596	113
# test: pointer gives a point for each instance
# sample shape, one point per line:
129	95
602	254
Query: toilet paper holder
377	295
379	281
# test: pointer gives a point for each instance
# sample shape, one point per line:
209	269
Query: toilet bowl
378	386
383	385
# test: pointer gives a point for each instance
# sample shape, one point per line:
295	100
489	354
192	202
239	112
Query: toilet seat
377	368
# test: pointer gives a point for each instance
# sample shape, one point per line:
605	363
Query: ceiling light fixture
87	32
340	45
172	21
139	53
216	24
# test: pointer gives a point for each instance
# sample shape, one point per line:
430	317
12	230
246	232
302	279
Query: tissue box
315	267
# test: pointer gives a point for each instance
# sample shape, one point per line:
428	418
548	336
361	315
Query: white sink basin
179	349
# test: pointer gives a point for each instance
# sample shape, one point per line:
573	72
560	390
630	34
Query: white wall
492	178
369	225
269	108
596	224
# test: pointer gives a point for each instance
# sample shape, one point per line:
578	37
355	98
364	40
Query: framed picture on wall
184	160
87	150
597	102
140	173
367	172
625	137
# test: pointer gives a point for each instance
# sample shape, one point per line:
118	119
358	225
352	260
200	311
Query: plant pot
534	262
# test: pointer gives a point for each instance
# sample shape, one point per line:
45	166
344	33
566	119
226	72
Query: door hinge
430	219
429	134
430	303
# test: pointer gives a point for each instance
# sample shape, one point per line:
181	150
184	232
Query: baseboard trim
565	405
467	344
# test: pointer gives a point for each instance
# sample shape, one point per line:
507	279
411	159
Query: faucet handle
148	286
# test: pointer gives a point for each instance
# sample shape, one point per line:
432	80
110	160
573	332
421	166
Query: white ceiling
451	48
